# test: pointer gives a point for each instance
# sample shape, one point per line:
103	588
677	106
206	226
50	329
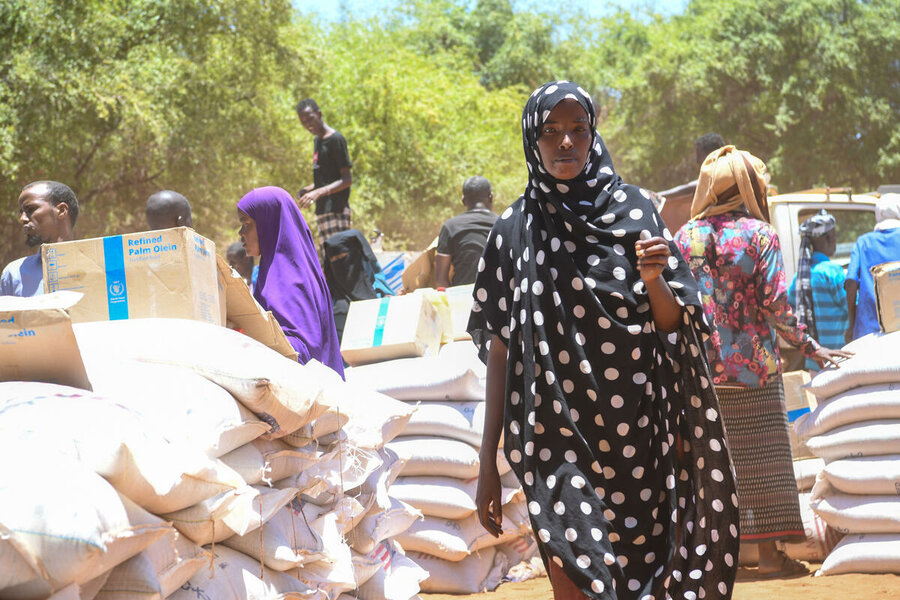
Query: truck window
850	224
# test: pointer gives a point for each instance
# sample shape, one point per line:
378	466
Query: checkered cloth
329	224
812	228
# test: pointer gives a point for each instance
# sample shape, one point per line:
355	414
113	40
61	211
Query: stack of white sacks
855	430
440	445
202	465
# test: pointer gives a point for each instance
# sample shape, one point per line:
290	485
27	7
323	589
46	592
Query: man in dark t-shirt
463	237
330	190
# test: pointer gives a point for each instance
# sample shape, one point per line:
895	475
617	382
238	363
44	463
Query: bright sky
332	10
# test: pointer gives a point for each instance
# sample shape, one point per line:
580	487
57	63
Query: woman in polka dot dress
592	328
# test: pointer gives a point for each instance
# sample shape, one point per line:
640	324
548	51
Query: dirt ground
836	587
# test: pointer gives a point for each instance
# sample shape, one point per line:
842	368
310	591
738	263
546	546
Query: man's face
311	120
40	219
242	264
830	243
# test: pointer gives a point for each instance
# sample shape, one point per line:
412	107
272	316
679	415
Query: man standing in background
330	190
47	211
871	249
167	209
817	291
463	237
703	145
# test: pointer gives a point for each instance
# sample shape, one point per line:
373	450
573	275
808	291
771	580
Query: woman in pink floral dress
736	258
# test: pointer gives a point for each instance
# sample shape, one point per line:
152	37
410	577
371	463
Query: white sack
869	403
481	572
869	475
232	513
462	421
463	353
332	573
871	438
436	456
295	535
265	461
364	568
443	497
329	422
84	591
381	479
65	538
344	468
373	418
380	524
875	362
423	378
288	539
157	572
239	577
805	472
455	540
867	553
183	405
115	443
820	538
281	392
859	514
397	579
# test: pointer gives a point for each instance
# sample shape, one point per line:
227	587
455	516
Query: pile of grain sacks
202	464
441	445
855	430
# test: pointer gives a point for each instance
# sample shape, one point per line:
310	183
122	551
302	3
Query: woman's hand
824	356
652	257
487	497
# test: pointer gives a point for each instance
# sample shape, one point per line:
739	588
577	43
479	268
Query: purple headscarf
290	281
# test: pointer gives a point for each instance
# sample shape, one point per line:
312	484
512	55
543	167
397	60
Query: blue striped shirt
829	302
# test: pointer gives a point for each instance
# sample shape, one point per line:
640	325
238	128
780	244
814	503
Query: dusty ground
836	587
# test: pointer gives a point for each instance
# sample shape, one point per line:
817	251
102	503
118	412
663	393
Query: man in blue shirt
47	212
817	291
871	249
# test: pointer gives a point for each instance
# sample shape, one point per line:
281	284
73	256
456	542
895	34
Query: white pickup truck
854	213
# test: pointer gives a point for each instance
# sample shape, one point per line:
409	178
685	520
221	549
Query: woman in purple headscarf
290	281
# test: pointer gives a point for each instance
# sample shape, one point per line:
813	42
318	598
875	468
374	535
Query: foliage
120	98
811	86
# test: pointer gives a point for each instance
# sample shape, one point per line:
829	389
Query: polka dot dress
612	428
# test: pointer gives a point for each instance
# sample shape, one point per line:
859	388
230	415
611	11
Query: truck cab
854	214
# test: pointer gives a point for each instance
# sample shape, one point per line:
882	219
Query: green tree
416	129
809	86
122	98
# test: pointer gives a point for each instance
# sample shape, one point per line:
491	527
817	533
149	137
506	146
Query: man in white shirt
47	211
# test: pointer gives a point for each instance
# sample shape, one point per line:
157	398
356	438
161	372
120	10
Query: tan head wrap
729	179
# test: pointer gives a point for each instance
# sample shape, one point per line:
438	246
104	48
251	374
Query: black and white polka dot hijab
612	428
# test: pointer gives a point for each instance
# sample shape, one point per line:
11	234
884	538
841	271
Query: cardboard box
460	299
420	273
168	273
389	328
243	312
798	401
887	295
37	342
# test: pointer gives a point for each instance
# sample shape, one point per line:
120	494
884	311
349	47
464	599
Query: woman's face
249	239
565	140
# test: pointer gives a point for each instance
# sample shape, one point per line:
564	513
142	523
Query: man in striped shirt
817	291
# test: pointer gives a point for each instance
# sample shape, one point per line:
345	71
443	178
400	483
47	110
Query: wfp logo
116	288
